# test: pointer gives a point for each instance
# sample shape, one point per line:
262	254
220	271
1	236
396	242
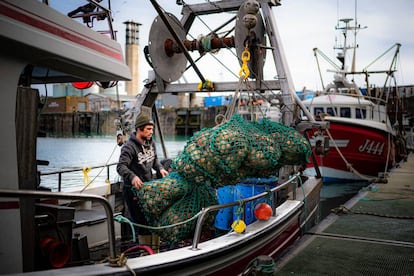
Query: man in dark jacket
137	160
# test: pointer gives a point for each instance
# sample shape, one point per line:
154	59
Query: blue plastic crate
245	189
249	188
224	217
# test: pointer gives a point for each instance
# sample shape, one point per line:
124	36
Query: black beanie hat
143	120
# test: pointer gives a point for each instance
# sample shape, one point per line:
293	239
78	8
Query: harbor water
69	154
81	153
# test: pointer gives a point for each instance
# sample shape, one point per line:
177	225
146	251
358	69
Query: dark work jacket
137	159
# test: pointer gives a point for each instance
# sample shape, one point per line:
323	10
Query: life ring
179	120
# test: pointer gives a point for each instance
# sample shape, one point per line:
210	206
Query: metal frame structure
158	84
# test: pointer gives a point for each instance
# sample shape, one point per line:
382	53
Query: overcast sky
303	25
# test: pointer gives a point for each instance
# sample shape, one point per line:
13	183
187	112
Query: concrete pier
372	234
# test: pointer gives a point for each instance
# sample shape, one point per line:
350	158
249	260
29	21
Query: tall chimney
132	56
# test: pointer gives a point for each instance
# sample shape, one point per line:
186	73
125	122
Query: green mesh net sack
214	153
157	195
295	148
228	153
264	153
197	163
185	209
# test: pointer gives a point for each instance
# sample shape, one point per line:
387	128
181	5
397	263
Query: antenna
337	11
356	10
355	41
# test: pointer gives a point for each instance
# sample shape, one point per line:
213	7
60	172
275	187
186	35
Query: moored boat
44	46
40	46
363	145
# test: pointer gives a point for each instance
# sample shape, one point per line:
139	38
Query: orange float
263	211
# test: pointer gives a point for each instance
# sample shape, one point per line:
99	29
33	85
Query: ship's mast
343	49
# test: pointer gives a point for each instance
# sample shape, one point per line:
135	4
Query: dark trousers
135	213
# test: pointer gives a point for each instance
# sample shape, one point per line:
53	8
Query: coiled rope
119	261
255	265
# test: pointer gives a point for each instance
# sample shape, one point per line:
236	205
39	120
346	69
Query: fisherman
137	160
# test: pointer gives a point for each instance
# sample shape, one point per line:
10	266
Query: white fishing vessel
363	144
40	45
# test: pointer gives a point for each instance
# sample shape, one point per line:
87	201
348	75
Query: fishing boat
41	45
362	143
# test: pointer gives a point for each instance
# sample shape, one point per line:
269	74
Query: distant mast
341	56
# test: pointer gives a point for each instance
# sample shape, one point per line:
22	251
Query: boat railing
374	99
72	196
76	170
242	202
294	180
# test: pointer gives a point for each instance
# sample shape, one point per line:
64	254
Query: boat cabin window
345	112
331	111
360	113
318	111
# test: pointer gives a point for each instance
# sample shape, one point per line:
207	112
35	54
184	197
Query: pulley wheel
168	68
257	35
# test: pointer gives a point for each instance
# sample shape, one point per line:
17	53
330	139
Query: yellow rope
208	85
86	179
119	261
101	170
108	190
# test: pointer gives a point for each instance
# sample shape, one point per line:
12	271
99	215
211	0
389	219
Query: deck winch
168	56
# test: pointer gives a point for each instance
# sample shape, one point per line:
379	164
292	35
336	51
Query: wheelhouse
341	106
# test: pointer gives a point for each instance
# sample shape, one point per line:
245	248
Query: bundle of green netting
170	201
219	156
294	147
158	195
230	152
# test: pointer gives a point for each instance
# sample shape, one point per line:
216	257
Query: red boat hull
359	153
273	248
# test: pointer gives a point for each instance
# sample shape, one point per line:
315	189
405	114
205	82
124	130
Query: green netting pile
185	209
219	156
158	195
230	152
294	147
171	201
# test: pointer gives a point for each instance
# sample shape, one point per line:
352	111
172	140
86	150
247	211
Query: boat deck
372	234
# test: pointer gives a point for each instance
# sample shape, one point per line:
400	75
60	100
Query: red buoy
263	211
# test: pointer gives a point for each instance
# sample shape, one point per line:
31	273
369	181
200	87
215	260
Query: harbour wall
173	121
